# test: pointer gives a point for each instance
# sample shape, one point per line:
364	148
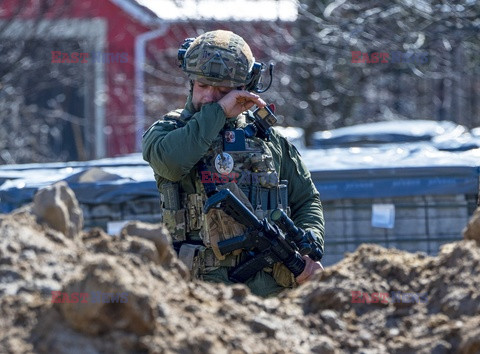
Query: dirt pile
131	294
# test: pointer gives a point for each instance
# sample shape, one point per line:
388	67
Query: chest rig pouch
181	211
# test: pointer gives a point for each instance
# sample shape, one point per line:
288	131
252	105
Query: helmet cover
219	58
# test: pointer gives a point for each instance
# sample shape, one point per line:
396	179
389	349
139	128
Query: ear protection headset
254	77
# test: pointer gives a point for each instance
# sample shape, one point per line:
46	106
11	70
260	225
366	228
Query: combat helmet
217	58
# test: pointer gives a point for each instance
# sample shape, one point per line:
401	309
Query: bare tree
432	70
37	99
317	83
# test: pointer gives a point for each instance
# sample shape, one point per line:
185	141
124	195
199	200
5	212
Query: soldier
210	137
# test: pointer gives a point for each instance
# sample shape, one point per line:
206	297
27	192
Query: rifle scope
305	241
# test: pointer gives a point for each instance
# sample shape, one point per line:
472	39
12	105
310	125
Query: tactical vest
232	159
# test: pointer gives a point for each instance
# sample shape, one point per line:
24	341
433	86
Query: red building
121	57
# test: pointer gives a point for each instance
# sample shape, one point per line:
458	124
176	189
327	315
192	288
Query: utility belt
198	258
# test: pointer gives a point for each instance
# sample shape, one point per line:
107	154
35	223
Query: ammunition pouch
175	222
181	213
195	214
173	216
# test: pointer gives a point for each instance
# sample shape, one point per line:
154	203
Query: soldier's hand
311	267
238	101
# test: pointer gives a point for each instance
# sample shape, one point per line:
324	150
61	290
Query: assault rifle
265	243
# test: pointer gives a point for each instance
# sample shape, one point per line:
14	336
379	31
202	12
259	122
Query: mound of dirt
67	290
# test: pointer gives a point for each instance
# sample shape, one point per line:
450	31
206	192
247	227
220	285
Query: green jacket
173	151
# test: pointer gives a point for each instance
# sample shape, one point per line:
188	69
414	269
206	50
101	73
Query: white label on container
383	215
114	227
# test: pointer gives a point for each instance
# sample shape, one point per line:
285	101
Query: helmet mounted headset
222	58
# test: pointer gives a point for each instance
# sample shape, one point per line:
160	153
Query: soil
349	307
